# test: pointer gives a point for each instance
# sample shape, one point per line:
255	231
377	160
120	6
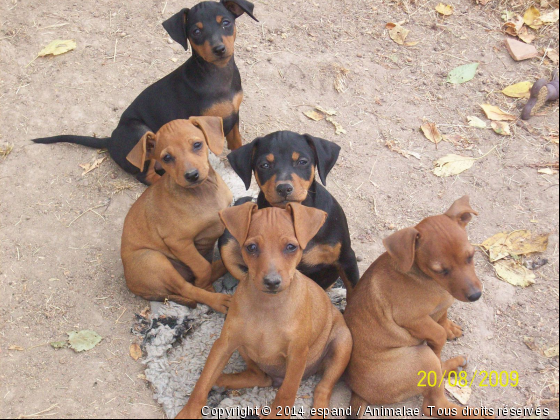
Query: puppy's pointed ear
176	27
401	246
326	155
461	211
237	220
307	222
213	129
144	150
241	160
238	7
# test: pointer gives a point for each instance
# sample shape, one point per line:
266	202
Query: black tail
93	142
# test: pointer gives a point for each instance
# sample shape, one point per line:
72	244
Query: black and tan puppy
284	164
208	84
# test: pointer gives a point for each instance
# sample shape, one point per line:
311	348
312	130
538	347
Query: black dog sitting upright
284	164
207	84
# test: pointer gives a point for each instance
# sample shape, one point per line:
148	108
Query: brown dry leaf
460	394
399	34
530	343
532	18
496	114
519	242
525	36
96	163
501	127
514	273
444	9
58	47
513	26
431	132
452	165
314	115
552	54
135	351
16	348
551	352
518	90
338	128
391	145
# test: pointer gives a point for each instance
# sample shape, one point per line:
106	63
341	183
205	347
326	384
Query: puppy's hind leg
358	406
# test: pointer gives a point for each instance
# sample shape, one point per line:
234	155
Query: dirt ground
60	231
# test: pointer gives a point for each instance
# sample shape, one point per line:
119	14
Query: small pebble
359	258
169	41
548	149
248	48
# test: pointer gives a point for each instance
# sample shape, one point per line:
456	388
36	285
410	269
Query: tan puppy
281	322
172	228
401	303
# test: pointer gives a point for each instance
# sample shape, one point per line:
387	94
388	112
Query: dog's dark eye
168	158
265	165
197	145
226	23
302	162
196	32
291	248
252	248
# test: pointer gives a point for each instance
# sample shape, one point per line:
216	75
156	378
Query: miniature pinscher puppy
272	320
398	313
208	84
170	232
284	164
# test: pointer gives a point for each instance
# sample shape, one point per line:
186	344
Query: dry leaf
58	47
547	171
83	340
460	394
340	80
444	9
452	165
551	352
514	273
431	132
525	36
519	242
552	54
314	115
476	122
513	26
135	351
501	127
399	34
88	167
530	343
338	128
551	17
391	145
532	17
325	111
496	114
518	90
16	348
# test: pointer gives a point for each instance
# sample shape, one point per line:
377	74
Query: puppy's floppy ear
213	129
241	160
238	7
326	155
401	246
237	220
461	211
143	150
176	27
307	222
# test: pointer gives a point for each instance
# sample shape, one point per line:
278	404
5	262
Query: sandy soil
60	231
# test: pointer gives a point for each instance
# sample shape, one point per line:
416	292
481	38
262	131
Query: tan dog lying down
171	230
401	303
282	323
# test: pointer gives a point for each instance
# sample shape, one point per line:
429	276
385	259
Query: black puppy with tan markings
285	164
208	84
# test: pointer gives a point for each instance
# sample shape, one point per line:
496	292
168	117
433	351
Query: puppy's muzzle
192	176
284	190
272	282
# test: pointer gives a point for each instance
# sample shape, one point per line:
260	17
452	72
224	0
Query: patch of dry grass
5	150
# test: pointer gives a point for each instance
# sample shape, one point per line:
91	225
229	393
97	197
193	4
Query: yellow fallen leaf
518	90
88	167
525	36
476	122
135	351
501	127
496	114
519	242
431	132
58	47
338	128
514	273
551	352
452	165
444	9
460	394
513	26
532	17
329	112
552	54
397	33
314	115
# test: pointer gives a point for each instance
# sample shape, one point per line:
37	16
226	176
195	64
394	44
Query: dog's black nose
474	297
192	176
272	282
284	190
219	50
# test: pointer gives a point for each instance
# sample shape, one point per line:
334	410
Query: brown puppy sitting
171	230
401	303
281	322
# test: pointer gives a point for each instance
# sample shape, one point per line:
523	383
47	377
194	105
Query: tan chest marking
226	108
322	254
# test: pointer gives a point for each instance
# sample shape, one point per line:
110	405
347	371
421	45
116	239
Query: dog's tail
93	142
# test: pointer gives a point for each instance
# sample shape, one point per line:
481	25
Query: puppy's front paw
221	302
453	330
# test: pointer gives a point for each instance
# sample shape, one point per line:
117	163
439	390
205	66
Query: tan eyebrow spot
270	157
219	19
437	267
199	25
295	156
